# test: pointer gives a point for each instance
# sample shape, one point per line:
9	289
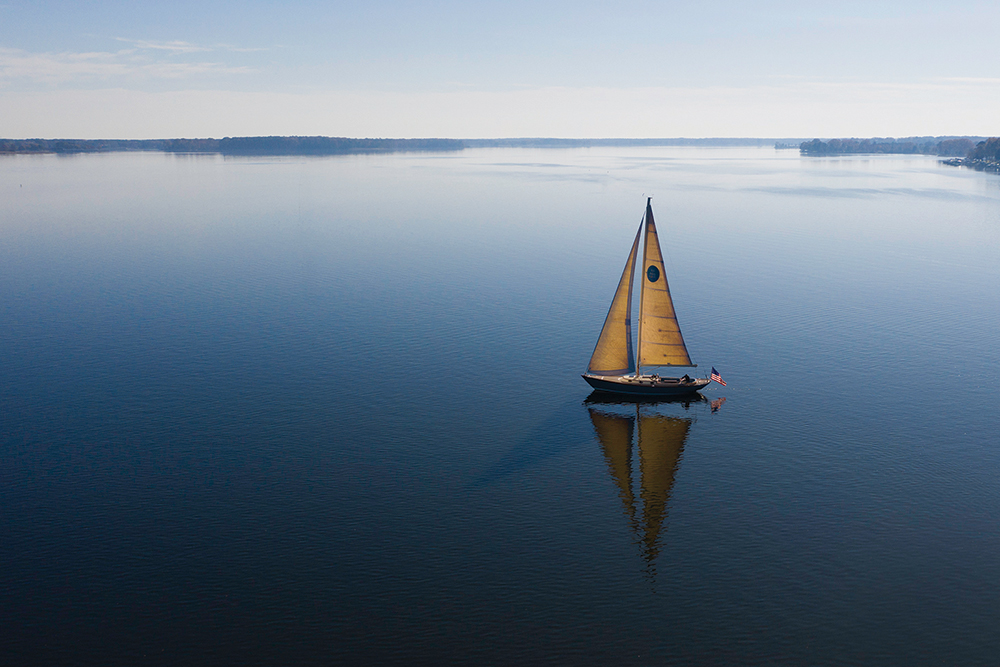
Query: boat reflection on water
599	398
659	440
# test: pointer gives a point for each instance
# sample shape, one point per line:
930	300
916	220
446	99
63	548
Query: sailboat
613	367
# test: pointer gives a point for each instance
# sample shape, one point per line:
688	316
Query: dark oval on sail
653	274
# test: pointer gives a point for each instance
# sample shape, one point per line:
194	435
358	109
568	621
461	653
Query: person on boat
686	378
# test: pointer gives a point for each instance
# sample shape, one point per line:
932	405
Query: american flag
717	377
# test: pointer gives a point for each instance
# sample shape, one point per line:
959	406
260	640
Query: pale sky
713	68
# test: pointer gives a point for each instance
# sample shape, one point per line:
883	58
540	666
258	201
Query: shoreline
973	163
318	145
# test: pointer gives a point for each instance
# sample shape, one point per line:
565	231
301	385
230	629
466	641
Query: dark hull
643	387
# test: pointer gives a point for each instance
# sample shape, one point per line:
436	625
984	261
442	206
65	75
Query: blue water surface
328	411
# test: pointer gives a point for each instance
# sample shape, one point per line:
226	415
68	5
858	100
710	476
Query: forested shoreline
973	152
232	145
295	145
943	146
984	157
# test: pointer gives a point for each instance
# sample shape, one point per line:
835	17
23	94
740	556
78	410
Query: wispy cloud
175	46
243	49
969	79
69	67
180	47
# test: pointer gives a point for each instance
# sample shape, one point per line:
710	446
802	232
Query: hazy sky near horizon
498	69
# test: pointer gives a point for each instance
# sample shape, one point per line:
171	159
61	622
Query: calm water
328	411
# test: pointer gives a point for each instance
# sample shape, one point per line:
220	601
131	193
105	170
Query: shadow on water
558	433
659	441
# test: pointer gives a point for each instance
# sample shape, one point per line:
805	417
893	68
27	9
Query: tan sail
660	340
613	354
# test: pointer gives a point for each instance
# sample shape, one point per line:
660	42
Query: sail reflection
659	441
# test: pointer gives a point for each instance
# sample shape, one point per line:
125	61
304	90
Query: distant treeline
984	157
105	145
943	146
342	145
330	145
986	150
249	146
549	142
232	145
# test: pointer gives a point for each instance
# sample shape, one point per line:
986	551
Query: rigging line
642	268
637	276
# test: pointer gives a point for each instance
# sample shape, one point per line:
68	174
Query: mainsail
613	354
660	340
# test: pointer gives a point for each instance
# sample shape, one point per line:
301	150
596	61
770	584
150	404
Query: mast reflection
660	441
